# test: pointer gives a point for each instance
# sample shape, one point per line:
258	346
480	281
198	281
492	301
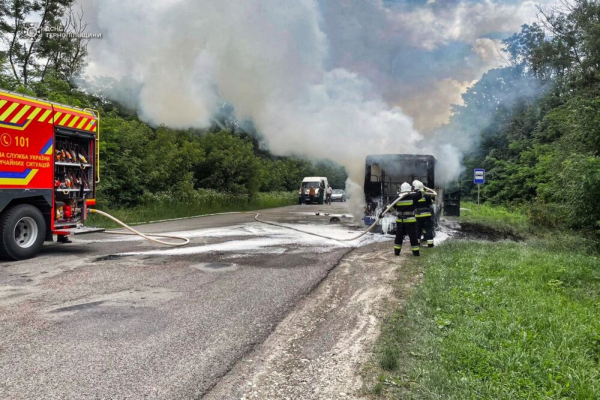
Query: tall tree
55	43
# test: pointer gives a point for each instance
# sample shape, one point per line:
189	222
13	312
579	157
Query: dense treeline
538	120
140	163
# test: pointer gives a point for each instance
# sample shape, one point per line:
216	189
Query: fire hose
186	241
431	191
150	237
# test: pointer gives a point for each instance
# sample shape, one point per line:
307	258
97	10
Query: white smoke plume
267	58
313	76
356	199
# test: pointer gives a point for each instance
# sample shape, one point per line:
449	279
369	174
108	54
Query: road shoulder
319	349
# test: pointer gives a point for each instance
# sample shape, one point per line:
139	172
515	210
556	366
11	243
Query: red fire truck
49	169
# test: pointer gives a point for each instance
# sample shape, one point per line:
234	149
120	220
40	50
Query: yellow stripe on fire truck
20	114
14	112
34	113
65	119
73	121
82	123
55	118
45	115
8	111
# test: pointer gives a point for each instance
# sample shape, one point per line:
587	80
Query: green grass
505	320
206	202
501	218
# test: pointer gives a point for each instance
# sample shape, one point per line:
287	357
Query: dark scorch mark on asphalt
109	257
78	307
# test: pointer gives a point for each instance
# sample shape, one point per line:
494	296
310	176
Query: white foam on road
235	230
265	239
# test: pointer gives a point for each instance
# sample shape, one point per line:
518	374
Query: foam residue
264	238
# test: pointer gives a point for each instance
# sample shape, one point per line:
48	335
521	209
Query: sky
335	79
423	55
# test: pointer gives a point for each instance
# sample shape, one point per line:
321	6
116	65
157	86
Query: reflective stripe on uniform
405	203
397	247
411	219
421	200
430	242
415	248
423	215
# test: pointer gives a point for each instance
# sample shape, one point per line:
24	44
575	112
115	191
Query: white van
316	182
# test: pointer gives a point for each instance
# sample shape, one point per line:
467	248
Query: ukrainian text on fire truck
37	161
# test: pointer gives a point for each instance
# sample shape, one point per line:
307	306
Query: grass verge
505	320
202	204
512	221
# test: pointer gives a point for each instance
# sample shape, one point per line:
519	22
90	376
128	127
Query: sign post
478	179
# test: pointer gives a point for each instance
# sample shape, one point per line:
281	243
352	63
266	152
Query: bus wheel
23	230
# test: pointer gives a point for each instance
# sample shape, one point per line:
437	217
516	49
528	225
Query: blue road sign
479	176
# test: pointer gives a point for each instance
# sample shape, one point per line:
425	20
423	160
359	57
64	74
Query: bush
547	214
575	189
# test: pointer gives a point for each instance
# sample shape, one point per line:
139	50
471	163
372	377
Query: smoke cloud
268	59
333	79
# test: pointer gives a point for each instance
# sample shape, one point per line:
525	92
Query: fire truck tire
23	230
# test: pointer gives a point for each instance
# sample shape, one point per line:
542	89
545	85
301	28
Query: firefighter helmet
405	187
418	185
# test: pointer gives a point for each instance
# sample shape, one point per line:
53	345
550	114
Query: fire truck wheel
23	230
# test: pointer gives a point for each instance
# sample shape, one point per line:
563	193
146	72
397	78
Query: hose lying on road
184	241
331	238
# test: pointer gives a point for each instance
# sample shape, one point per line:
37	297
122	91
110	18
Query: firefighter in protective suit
405	220
424	213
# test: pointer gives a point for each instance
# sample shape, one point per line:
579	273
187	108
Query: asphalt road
116	317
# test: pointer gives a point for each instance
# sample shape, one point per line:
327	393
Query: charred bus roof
384	173
375	158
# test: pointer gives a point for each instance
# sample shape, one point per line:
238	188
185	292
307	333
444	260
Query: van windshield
308	185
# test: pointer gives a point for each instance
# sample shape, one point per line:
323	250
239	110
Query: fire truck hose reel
184	241
339	240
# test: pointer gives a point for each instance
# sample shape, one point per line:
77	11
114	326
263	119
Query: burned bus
385	173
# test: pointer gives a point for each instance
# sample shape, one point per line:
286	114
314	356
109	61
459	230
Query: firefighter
424	214
406	221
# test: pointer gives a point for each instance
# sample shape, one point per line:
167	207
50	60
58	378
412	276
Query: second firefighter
424	213
406	221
